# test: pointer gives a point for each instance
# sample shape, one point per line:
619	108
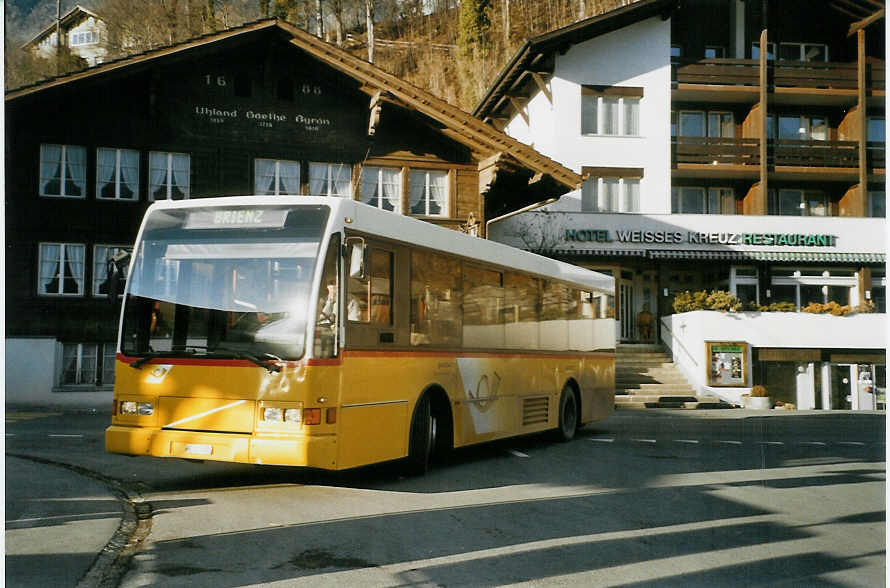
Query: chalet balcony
791	74
782	152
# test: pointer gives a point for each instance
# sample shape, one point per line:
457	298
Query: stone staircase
646	377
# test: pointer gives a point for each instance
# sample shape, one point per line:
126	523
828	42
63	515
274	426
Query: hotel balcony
790	82
740	157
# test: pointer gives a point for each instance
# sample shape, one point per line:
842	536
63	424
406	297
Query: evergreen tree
474	27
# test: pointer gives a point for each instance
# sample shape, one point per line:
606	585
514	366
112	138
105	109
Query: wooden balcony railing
877	154
793	74
802	153
785	152
716	150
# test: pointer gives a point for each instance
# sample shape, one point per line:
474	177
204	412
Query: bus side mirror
116	274
356	254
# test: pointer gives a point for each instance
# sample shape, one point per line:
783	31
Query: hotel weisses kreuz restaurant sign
659	234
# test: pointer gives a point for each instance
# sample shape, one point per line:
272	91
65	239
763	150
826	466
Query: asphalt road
691	498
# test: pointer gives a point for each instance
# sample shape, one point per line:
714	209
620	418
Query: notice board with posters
727	363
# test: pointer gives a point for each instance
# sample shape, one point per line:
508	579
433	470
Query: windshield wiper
262	361
154	354
190	351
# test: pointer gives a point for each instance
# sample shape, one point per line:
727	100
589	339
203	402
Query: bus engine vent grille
535	411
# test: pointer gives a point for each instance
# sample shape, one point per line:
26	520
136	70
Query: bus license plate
198	448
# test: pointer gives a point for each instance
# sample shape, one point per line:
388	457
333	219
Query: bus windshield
233	280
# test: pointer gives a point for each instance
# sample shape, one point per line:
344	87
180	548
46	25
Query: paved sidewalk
57	523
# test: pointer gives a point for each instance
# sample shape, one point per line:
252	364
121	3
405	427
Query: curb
110	565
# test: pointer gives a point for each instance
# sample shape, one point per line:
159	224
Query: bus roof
373	221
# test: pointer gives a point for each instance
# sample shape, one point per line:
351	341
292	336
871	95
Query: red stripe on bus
203	362
503	354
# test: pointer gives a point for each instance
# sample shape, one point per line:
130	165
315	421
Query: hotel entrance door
626	311
841	388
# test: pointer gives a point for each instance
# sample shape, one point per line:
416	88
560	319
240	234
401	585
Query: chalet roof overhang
382	88
536	56
863	12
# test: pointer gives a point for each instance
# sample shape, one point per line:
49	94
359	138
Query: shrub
778	307
703	300
866	307
722	300
759	391
831	307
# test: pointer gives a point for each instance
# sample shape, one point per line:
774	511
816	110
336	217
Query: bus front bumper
309	451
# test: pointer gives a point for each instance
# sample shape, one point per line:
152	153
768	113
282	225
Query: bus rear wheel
568	415
423	436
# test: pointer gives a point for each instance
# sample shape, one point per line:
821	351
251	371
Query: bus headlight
133	408
276	415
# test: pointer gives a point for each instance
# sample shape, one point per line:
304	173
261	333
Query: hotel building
724	145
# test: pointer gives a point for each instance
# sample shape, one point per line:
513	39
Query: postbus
326	333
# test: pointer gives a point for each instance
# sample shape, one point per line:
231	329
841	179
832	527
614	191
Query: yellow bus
326	333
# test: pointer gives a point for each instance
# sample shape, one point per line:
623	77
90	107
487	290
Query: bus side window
328	304
370	300
436	299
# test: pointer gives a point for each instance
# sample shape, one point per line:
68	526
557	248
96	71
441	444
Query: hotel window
87	364
330	179
676	52
611	193
63	170
879	290
610	111
798	203
744	284
429	192
117	174
275	177
877	203
699	200
169	175
802	287
803	52
715	52
83	38
805	128
382	188
61	268
876	129
101	255
695	123
770	51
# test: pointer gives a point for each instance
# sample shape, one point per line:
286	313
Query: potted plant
759	398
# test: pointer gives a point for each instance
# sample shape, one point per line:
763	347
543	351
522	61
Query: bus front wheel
568	414
423	437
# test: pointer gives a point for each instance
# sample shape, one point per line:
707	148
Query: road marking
603	440
857	443
10	434
685	440
516	453
13	417
817	443
729	442
771	443
644	440
75	436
